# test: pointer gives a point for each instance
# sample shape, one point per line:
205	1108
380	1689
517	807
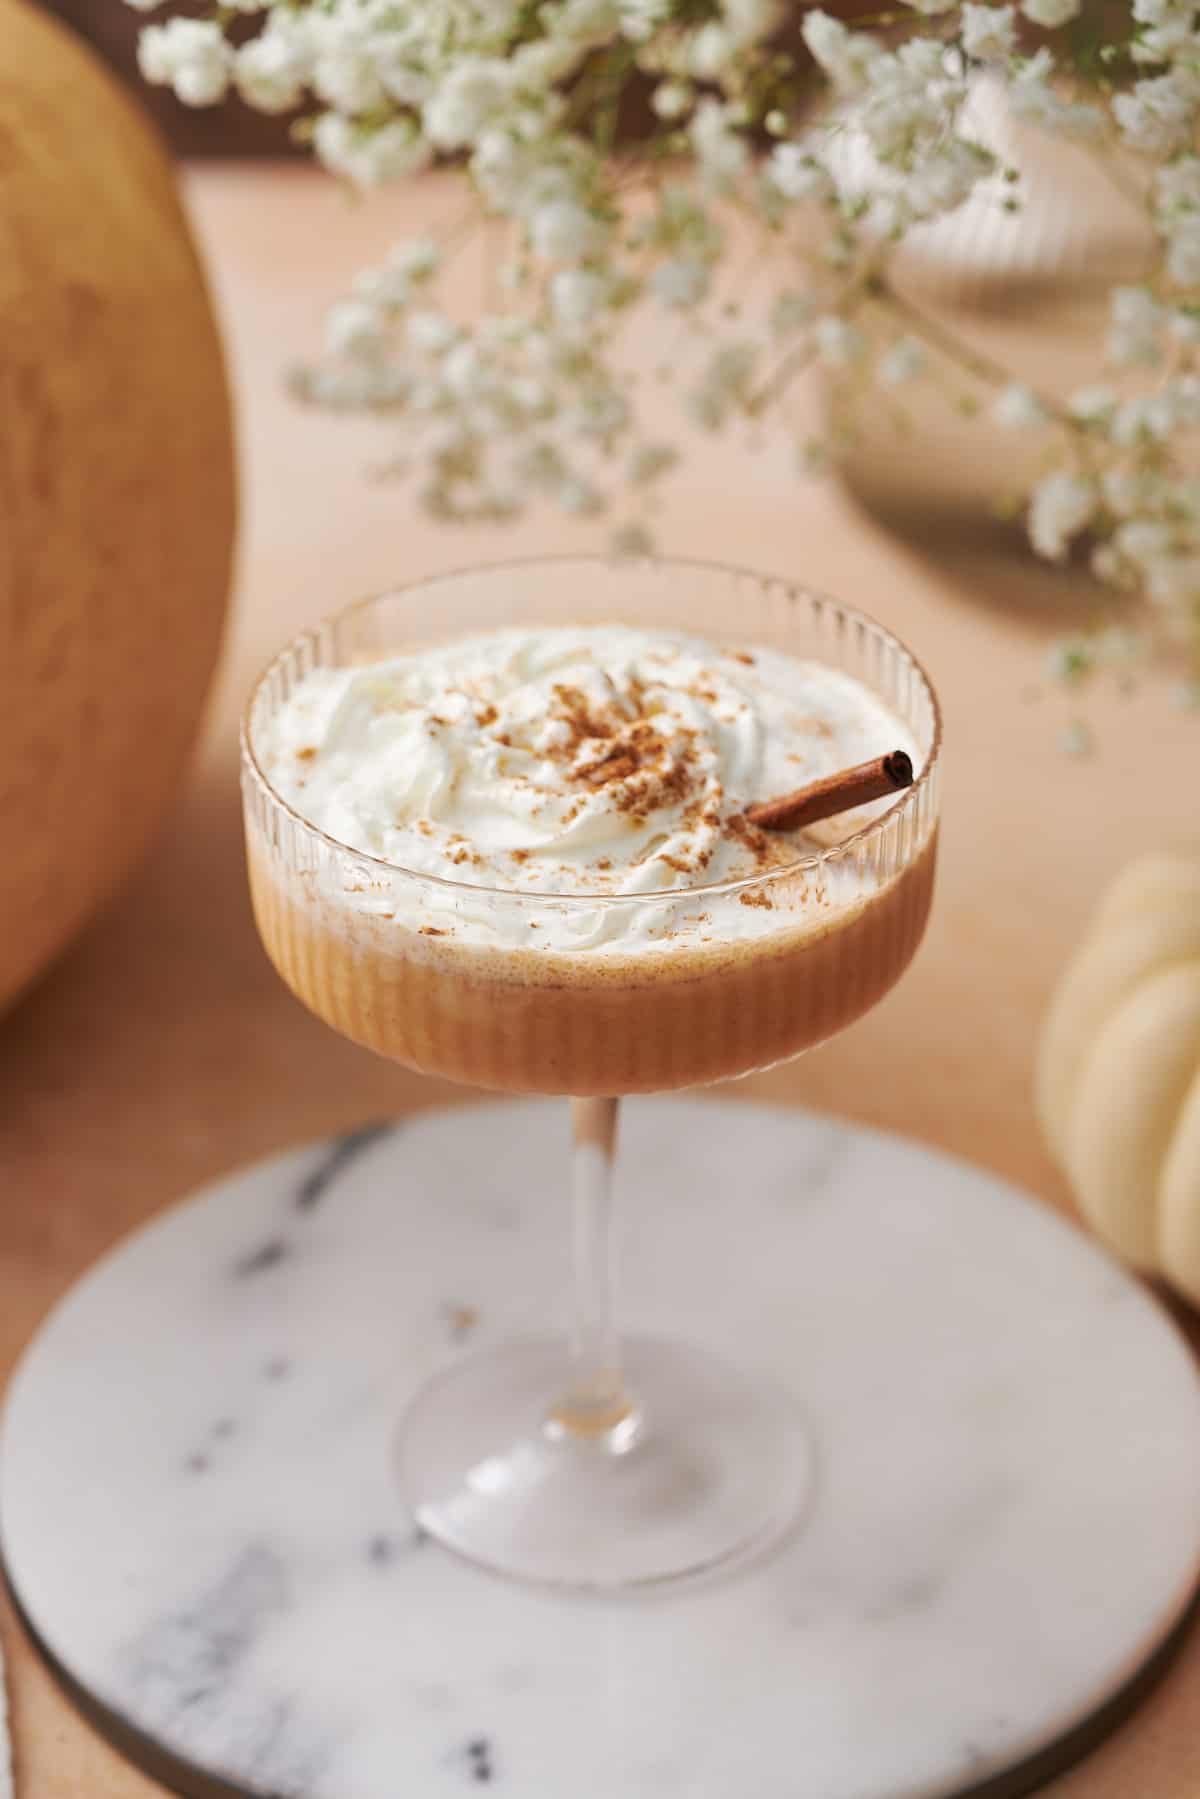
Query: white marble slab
198	1509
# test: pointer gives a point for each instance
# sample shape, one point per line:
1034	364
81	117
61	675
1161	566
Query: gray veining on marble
198	1507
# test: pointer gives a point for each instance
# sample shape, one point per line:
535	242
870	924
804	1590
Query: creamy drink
551	883
672	822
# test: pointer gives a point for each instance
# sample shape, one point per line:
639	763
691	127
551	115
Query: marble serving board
200	1518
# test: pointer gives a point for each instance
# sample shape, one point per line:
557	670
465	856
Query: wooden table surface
163	1051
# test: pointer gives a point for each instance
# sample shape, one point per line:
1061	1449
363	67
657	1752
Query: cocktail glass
604	1461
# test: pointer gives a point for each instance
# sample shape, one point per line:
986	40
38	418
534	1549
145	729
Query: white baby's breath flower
839	342
1018	408
344	74
385	288
709	51
946	178
416	259
1144	420
564	229
844	55
188	55
640	19
1059	509
1182	394
795	172
1124	491
369	157
531	396
1092	405
1050	13
430	333
722	154
355	328
464	372
1183	251
1168	27
506	409
1162	12
1177	191
902	361
1177	186
1174	581
402	78
470	94
671	99
989	33
577	295
1159	116
375	387
1143	541
1034	100
270	71
1135	327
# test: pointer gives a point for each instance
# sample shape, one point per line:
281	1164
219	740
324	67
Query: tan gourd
1118	1079
116	487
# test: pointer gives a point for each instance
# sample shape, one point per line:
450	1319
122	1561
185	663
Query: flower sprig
832	147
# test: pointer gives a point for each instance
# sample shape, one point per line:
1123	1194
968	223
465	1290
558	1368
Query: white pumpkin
1118	1079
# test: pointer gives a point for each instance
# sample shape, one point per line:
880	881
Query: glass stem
595	1403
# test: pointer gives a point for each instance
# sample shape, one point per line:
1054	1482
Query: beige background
163	1051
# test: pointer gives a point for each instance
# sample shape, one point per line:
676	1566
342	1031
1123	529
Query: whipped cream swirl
570	760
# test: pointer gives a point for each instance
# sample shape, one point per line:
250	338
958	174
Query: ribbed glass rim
794	591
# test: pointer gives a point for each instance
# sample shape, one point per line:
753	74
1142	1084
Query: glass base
711	1465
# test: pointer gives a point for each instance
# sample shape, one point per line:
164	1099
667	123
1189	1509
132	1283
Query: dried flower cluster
527	96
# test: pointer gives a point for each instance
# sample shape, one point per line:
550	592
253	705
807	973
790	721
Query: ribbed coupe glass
600	1462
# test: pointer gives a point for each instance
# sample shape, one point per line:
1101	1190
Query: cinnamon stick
835	793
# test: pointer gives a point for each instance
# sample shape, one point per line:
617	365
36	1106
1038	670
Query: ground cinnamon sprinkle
756	897
431	930
756	841
306	754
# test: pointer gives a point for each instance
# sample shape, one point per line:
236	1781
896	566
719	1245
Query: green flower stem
975	362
